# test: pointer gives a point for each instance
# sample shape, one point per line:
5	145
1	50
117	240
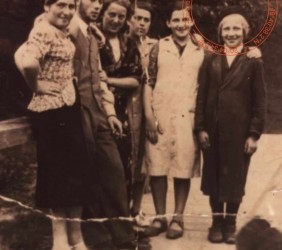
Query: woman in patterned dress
121	62
46	62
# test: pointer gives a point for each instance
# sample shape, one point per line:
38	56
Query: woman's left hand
250	145
103	76
48	88
254	52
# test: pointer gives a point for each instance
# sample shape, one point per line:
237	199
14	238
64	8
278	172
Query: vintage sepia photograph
140	125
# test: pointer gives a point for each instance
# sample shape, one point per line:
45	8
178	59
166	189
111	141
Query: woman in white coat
169	102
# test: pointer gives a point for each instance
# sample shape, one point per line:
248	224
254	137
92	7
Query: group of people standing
111	105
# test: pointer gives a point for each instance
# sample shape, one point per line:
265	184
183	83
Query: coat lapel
217	68
233	70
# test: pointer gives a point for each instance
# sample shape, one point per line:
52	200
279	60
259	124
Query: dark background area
16	20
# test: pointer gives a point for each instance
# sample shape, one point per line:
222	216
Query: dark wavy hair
124	3
144	5
174	6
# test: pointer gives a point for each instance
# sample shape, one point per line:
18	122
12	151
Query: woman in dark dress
229	118
121	62
46	62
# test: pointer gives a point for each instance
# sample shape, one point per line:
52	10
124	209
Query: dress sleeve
153	65
39	42
134	64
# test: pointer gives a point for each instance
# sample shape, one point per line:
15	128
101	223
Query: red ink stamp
254	42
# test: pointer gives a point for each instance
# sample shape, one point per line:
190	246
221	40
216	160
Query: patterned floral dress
128	65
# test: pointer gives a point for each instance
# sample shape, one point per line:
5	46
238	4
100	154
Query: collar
190	45
238	50
82	25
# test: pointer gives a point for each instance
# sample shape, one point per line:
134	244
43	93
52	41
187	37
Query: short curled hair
124	3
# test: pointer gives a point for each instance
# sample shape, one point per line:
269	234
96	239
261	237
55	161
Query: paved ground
265	174
23	231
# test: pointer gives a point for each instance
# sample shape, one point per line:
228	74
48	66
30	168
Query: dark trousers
110	193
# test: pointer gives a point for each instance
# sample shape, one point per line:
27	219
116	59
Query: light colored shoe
142	220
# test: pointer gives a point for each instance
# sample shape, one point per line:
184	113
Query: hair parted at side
124	3
50	2
144	5
175	6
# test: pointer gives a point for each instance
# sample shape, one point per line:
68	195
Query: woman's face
232	32
114	18
179	24
60	13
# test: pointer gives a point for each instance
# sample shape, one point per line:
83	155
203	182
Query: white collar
230	57
233	52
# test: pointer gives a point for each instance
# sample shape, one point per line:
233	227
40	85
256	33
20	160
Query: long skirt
63	168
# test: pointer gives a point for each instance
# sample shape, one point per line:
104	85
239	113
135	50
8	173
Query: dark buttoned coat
231	105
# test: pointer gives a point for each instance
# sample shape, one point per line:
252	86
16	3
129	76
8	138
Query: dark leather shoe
141	235
130	245
215	234
230	234
173	233
108	245
154	230
133	245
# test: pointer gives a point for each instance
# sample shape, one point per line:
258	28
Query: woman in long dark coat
229	120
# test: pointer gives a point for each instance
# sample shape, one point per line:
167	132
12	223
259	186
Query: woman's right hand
153	128
48	88
204	140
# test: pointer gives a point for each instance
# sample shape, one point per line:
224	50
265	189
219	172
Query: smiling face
140	22
60	13
114	18
179	24
89	10
232	32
